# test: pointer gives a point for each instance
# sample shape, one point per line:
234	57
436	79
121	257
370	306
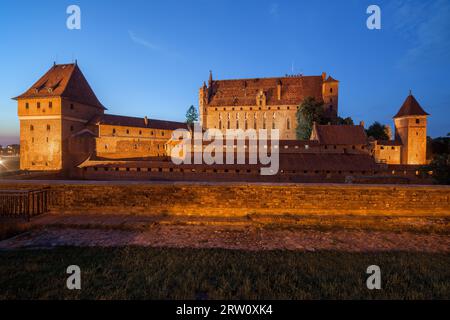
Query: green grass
150	273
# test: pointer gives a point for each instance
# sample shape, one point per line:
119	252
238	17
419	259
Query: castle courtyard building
264	103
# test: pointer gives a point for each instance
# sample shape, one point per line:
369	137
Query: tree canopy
309	111
191	115
378	131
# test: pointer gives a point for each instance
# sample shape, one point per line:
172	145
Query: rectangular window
38	105
27	105
50	104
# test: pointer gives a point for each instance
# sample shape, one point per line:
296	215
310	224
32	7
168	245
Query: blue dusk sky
151	57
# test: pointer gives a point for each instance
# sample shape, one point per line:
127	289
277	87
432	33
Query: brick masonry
240	199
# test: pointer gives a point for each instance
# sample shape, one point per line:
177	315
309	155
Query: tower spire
210	78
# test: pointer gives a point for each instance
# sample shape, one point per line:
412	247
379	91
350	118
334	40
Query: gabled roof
331	79
243	92
115	120
410	108
340	134
63	80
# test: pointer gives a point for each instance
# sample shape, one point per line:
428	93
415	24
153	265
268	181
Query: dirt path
233	237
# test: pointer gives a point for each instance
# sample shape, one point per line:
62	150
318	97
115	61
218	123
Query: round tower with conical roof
411	130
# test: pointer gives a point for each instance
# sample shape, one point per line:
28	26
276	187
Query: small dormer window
27	105
417	121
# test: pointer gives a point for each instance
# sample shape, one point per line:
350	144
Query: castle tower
330	94
51	112
202	104
411	130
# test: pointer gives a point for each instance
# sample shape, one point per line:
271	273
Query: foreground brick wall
242	199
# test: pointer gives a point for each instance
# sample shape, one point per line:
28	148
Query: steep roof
410	108
331	79
300	162
340	134
63	80
115	120
243	92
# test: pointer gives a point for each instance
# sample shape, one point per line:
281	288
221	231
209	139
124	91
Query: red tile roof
327	161
63	80
115	120
243	92
410	108
300	162
341	134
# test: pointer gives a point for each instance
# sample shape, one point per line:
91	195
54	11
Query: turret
411	130
330	94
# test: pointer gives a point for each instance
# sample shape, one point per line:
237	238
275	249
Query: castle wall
387	154
280	117
47	126
40	134
117	142
241	199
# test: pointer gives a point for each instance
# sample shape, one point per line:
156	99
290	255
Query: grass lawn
151	273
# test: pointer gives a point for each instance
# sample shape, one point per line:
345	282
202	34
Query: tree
348	121
377	131
191	115
440	166
308	112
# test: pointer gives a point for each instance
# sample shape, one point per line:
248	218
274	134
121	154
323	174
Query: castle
64	127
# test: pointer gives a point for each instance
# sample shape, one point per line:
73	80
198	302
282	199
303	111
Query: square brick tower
411	130
52	113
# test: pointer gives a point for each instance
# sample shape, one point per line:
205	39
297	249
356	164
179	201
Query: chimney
279	89
324	76
361	123
146	121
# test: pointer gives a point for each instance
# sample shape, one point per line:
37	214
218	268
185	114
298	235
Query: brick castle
64	128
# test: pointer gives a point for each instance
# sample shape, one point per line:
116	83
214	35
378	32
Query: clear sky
150	57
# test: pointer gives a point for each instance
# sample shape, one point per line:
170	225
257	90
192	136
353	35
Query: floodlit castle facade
64	127
264	103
